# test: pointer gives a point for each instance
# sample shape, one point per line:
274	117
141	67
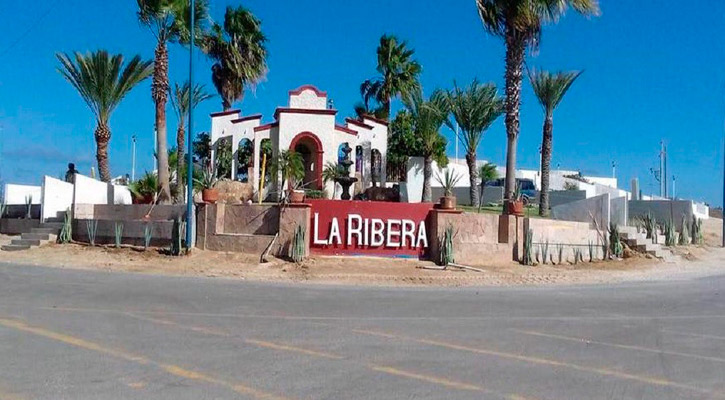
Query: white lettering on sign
373	232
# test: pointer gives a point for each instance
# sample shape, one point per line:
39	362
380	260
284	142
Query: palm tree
169	21
290	165
332	172
180	96
103	81
486	173
428	118
239	51
550	89
475	108
398	75
518	23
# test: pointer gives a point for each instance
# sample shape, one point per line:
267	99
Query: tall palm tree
169	21
180	96
474	108
103	81
518	23
398	75
239	50
486	173
550	89
428	118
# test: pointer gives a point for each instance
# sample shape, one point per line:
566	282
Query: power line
30	28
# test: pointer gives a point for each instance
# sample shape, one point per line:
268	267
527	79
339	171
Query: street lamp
189	159
133	158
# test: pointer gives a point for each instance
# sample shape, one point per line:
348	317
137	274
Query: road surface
67	334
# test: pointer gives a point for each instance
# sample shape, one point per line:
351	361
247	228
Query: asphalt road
68	334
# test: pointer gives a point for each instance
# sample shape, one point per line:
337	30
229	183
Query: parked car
527	187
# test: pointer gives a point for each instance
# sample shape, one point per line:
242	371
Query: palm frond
101	79
550	87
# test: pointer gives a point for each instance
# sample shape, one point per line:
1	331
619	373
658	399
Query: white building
307	126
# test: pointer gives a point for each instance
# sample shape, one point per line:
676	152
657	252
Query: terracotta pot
210	196
145	199
448	203
296	196
516	207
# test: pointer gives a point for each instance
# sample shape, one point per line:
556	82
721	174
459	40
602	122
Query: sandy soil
363	271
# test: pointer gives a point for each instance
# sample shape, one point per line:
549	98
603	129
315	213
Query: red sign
370	228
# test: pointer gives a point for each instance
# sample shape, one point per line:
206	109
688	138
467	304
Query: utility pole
663	175
190	165
614	169
674	187
133	158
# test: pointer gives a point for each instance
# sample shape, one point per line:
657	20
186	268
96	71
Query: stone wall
251	219
568	234
478	239
212	220
17	226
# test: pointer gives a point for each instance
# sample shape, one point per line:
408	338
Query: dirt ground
364	271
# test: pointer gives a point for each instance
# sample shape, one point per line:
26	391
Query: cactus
578	255
697	236
148	230
545	251
447	255
297	248
615	243
560	251
670	233
3	206
650	225
118	233
176	233
528	239
66	232
685	234
92	228
591	251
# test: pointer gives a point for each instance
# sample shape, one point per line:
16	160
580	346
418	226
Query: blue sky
653	71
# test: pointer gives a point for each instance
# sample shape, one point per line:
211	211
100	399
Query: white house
307	126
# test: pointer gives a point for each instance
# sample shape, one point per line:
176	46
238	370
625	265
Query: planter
448	203
210	196
515	207
145	199
296	196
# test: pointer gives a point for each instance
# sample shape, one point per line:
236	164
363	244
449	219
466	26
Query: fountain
346	180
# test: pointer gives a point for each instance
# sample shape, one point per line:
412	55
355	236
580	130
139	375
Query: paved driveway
68	334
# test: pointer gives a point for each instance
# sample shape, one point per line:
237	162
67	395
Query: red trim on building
358	123
281	110
345	129
302	88
247	118
380	121
318	152
223	113
265	126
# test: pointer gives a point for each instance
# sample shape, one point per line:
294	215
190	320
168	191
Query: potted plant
516	204
290	165
448	181
208	180
144	190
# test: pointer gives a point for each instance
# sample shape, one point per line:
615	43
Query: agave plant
448	181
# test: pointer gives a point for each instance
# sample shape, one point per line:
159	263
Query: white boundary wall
583	211
16	194
57	197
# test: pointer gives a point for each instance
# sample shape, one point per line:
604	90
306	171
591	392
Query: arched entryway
310	148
